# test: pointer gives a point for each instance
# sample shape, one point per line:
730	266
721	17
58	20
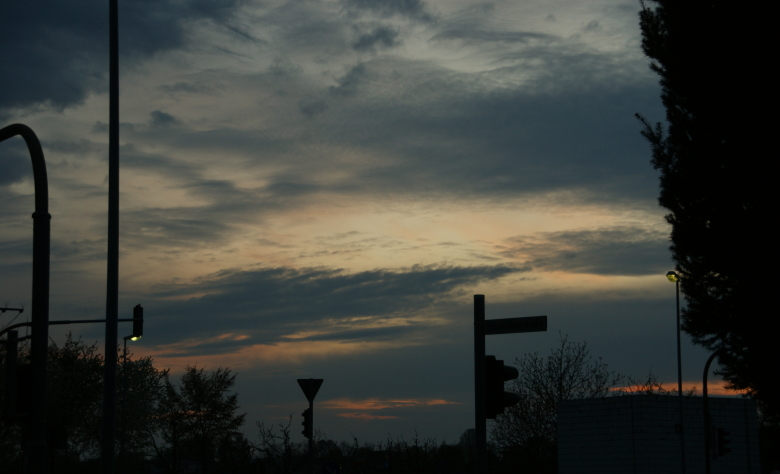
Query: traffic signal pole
489	396
480	422
311	438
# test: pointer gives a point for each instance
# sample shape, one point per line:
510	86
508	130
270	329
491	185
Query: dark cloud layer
608	251
440	134
412	9
472	35
273	302
381	37
59	50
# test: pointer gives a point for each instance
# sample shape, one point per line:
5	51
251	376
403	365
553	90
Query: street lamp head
135	338
673	277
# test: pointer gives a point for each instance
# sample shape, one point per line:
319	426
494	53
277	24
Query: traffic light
308	423
724	440
138	322
496	399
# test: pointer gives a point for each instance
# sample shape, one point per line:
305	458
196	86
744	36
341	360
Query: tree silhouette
712	57
526	433
199	417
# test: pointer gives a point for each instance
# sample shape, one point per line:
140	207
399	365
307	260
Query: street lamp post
138	331
35	447
675	278
123	434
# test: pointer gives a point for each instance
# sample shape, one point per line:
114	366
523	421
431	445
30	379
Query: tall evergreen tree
713	59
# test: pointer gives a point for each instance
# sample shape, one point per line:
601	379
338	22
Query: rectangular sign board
514	325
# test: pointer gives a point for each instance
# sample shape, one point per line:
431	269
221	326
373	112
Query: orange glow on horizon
378	404
360	407
714	387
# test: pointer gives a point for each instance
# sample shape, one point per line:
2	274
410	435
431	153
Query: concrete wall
639	434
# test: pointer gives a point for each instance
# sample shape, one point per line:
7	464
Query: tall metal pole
36	450
480	428
112	280
679	379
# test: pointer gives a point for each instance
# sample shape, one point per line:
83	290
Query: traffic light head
308	430
138	322
496	399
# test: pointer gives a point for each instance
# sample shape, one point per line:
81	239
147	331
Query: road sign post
310	388
484	328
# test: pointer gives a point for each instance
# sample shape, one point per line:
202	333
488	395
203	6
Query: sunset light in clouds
374	409
318	189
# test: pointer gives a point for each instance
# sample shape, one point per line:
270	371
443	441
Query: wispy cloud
369	306
367	409
622	250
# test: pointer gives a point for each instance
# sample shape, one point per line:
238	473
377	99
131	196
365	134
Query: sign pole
480	426
310	388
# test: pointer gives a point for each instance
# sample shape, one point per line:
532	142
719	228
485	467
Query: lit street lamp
675	278
124	397
138	332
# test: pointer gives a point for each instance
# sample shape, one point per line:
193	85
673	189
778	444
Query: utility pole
112	277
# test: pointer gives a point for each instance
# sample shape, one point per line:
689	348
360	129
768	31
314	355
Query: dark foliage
526	434
713	59
192	425
199	420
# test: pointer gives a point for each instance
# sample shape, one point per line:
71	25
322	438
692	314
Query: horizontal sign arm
515	325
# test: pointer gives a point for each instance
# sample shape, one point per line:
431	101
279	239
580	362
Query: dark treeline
192	427
195	425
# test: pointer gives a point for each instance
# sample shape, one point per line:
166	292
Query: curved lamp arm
40	294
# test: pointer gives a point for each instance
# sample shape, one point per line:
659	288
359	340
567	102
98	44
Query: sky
317	188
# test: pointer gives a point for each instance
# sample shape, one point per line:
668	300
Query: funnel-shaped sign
310	388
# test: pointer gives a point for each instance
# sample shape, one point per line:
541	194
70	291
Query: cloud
621	250
161	119
348	84
381	37
271	305
59	50
365	409
380	404
410	128
367	334
411	9
312	108
479	36
592	26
